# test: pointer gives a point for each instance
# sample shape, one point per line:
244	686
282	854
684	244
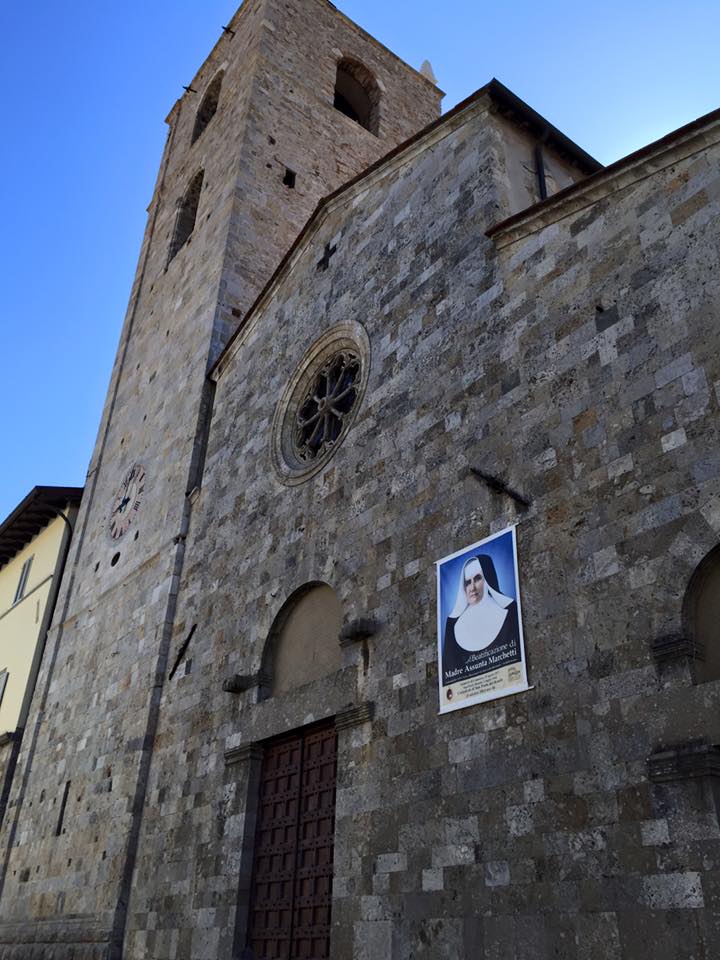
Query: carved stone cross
324	262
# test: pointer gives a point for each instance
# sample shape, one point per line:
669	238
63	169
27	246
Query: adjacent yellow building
34	542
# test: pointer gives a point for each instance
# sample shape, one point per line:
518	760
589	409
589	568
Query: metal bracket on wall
182	651
499	485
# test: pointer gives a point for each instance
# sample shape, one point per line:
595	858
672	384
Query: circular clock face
127	502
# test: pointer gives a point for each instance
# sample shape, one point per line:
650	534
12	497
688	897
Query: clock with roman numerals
126	504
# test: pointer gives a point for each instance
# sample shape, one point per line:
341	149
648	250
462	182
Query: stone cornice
69	930
350	716
243	754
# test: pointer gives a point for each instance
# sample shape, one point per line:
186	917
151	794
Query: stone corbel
354	715
246	753
240	682
355	631
673	647
686	761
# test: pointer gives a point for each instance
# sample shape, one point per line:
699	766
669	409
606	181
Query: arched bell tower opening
208	107
186	215
357	94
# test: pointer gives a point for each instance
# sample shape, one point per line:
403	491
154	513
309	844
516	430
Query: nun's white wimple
478	625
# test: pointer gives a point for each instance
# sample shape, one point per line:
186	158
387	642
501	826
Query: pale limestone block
534	791
671	441
497	873
433	879
654	833
673	891
606	562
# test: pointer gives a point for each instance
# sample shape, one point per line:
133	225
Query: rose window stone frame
320	403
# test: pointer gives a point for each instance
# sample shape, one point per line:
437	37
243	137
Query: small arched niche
357	94
304	641
701	615
186	215
208	107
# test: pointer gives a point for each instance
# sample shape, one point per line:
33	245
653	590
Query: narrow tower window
63	805
186	214
289	178
208	107
357	94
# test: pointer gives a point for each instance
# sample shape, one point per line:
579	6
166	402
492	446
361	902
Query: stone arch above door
303	643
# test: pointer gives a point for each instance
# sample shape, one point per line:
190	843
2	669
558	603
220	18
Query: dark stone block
605	318
673	934
634	803
510	382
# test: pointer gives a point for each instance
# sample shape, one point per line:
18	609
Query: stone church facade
235	748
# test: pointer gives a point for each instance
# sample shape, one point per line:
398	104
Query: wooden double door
291	891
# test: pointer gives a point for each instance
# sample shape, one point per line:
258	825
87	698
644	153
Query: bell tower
293	101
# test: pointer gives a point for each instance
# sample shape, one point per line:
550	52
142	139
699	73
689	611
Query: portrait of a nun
482	617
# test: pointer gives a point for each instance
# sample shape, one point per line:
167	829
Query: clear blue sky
84	90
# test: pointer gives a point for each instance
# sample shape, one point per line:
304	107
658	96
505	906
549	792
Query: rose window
323	414
322	398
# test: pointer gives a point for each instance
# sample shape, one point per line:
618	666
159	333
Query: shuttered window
22	582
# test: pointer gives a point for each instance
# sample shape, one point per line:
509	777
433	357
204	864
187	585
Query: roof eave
54	499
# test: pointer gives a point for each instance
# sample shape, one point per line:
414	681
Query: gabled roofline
504	99
31	515
684	141
519	111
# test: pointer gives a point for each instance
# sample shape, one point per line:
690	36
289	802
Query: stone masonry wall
110	616
293	125
580	362
91	729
